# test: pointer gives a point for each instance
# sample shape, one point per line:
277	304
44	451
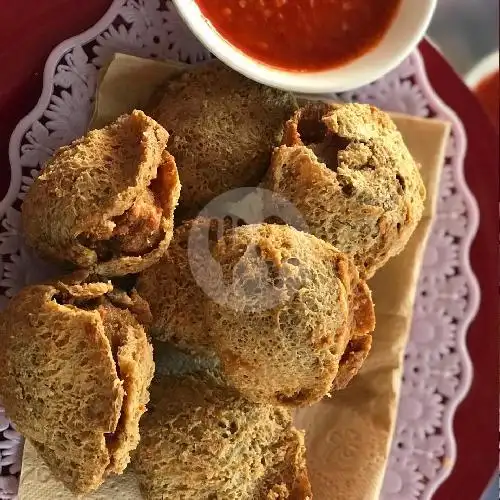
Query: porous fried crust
135	368
223	127
74	378
348	171
177	302
285	312
354	356
201	440
86	187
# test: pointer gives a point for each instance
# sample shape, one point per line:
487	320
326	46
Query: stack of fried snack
272	318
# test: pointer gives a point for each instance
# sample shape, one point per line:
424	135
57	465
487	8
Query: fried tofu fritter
223	128
282	310
288	308
75	376
348	171
106	202
200	440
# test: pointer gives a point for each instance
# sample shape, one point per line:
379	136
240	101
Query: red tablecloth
29	29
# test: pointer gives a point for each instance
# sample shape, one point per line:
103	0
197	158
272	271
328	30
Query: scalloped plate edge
475	292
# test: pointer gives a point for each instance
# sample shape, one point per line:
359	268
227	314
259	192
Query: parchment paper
348	436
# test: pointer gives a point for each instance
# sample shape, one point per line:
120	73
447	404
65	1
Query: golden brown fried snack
201	440
223	127
75	375
106	202
288	306
348	171
278	307
284	312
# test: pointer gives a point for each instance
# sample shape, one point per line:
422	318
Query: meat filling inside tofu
138	229
135	232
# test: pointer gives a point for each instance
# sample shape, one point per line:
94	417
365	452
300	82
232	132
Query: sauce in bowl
301	35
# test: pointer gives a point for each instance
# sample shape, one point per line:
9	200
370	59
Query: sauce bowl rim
365	69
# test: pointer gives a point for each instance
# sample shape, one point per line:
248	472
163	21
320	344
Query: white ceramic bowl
406	31
485	67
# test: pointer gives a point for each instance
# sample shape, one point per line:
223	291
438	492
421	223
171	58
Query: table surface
465	30
465	34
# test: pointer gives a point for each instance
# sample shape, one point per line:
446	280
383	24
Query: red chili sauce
488	93
301	35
